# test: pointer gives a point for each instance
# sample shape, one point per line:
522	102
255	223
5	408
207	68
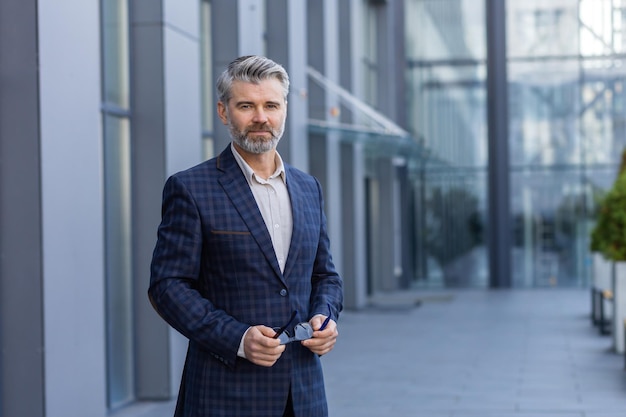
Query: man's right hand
260	346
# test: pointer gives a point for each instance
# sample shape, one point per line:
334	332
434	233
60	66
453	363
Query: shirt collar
249	172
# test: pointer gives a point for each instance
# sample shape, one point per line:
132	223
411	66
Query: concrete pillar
22	390
167	136
286	44
353	210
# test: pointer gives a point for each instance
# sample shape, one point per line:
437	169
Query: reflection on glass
118	261
115	52
567	124
370	54
566	130
117	210
206	71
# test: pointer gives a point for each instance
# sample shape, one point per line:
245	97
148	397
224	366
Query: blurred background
460	144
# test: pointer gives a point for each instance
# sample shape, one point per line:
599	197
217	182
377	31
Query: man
242	257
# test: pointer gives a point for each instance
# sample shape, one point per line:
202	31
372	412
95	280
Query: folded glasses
301	331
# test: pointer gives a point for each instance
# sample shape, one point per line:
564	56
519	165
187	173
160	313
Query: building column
500	275
21	258
149	171
353	229
167	137
286	44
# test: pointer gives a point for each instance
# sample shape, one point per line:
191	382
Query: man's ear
222	112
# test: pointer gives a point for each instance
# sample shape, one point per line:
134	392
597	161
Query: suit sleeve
326	283
174	281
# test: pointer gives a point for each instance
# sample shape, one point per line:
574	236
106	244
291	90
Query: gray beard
254	146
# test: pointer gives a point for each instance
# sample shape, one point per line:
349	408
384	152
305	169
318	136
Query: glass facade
446	61
117	210
566	131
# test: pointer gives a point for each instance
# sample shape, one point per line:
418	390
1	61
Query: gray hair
250	69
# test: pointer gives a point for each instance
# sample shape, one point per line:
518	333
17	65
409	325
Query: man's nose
259	116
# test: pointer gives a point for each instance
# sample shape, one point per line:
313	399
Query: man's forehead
268	88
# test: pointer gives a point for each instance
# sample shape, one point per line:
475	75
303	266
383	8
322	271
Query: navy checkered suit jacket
214	273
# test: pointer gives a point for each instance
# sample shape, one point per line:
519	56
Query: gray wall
21	315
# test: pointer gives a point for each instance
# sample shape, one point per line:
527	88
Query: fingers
260	347
322	341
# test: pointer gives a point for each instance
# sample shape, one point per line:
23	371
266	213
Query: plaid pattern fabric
214	273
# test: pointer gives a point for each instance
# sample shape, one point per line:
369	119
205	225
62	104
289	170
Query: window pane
118	261
447	113
370	56
208	99
115	52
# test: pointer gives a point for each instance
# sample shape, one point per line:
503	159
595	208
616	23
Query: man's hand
260	346
323	341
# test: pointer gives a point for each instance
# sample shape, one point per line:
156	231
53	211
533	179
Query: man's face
255	115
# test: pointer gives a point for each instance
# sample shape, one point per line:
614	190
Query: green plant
608	237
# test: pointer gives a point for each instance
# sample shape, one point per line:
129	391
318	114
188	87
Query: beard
252	143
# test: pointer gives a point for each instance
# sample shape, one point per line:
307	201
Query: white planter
601	280
619	305
602	272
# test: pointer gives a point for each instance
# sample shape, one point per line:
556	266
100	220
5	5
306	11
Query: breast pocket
230	245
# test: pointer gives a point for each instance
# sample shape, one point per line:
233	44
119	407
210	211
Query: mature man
242	265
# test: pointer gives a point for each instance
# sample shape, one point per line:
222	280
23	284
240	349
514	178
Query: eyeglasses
301	331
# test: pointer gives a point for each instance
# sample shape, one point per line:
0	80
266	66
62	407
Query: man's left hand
323	341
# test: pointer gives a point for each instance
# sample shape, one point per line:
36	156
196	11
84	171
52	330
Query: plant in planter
609	238
609	235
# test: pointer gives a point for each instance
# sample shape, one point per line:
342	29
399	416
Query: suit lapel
238	190
295	195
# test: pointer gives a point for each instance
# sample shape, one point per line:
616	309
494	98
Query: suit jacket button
283	292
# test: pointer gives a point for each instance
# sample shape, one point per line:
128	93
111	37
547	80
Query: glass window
206	71
446	61
117	188
115	52
566	130
117	194
567	126
370	56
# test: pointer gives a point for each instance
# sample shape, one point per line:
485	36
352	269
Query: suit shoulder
299	175
201	170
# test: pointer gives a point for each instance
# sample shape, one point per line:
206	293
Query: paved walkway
519	353
477	354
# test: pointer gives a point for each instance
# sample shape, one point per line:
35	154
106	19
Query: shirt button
283	292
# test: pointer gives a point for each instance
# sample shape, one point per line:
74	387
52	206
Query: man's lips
263	132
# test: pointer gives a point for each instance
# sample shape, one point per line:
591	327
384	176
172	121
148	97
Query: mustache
254	130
